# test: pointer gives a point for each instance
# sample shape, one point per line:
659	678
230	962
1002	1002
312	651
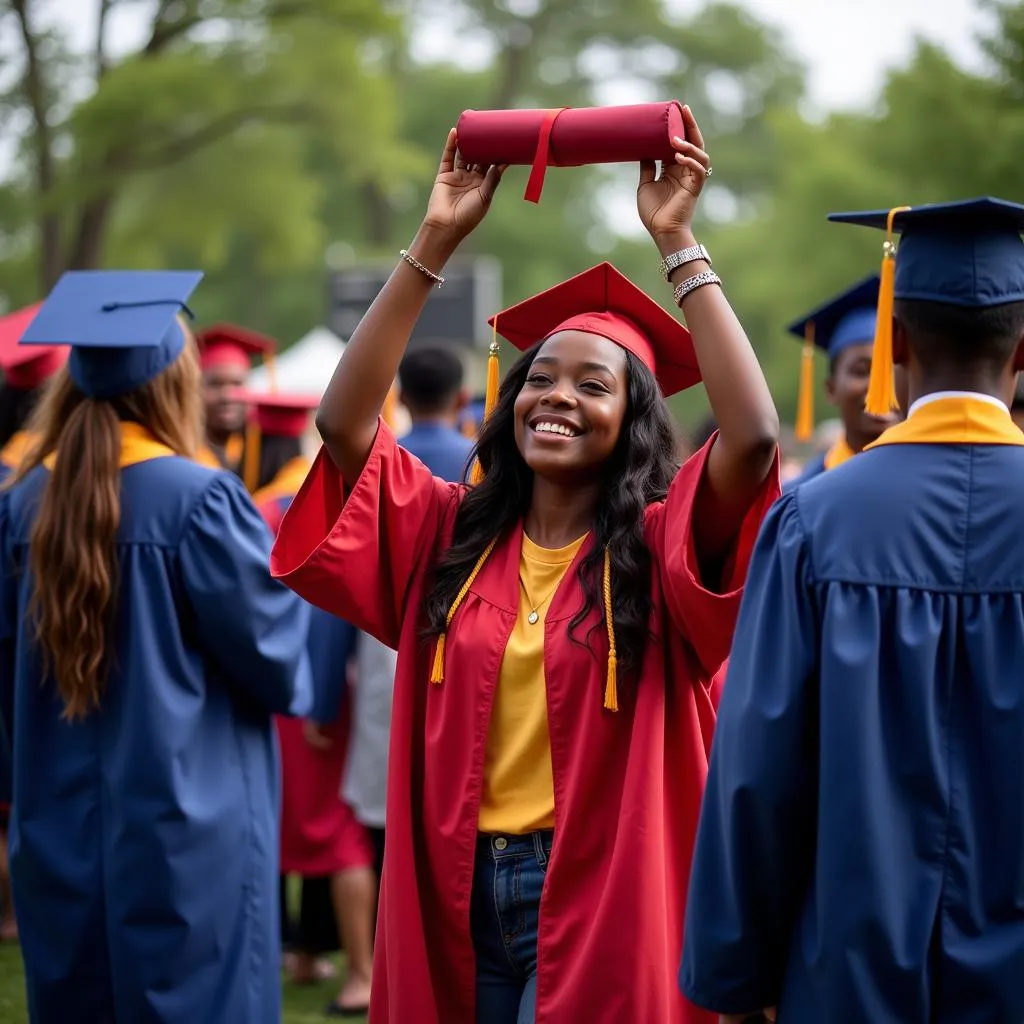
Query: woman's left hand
666	202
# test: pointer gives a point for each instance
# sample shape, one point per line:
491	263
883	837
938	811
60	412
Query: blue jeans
505	911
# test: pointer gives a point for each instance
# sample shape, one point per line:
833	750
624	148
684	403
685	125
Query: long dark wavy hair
73	545
639	471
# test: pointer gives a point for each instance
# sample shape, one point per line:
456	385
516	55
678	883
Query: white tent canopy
306	367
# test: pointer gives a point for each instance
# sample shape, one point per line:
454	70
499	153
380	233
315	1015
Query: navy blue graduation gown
144	839
860	856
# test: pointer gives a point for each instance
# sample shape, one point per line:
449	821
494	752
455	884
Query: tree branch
165	32
99	54
42	144
219	128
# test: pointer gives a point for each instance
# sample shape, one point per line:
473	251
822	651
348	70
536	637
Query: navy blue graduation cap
122	325
846	319
968	253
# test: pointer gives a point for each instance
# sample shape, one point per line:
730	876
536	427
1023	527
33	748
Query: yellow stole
206	456
955	420
233	450
16	448
838	454
137	445
287	482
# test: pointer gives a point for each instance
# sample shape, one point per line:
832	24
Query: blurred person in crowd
321	840
843	328
25	372
144	649
430	386
558	623
226	355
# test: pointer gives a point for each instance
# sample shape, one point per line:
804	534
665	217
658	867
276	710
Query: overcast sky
846	44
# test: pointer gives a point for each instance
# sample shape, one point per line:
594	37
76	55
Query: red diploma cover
569	137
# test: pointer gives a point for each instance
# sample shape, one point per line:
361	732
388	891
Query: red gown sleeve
706	619
356	555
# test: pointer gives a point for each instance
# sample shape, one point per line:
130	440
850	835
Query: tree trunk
42	144
379	215
92	232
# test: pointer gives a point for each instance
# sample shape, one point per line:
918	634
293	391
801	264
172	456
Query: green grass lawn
301	1005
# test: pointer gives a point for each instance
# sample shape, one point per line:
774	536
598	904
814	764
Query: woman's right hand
461	195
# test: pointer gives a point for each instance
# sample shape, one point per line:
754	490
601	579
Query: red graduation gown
628	785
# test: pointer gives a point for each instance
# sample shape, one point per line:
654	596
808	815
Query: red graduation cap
228	344
281	415
602	301
27	366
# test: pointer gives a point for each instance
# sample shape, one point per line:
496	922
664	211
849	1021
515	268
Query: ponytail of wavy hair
72	549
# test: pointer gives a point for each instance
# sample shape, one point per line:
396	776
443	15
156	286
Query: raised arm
348	414
745	449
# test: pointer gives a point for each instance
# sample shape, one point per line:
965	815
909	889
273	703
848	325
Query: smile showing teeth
553	428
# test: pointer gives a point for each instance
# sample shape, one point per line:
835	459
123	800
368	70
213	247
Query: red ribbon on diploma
542	157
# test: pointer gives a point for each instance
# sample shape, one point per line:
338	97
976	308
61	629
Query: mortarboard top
27	367
122	325
967	253
846	319
281	415
229	344
604	302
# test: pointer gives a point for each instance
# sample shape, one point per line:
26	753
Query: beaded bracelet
413	262
691	284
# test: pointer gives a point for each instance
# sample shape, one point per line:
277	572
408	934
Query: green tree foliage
198	133
248	136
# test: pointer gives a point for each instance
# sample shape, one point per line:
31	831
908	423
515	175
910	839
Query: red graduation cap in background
27	366
280	415
230	345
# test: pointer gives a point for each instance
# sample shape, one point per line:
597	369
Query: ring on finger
707	171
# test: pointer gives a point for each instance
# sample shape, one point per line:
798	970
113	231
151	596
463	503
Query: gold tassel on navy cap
805	396
881	398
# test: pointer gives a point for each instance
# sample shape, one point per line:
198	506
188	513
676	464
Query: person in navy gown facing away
860	854
143	649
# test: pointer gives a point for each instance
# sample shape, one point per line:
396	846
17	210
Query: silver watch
676	259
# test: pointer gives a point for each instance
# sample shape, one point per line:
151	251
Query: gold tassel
805	396
611	686
251	467
437	671
881	398
270	361
490	396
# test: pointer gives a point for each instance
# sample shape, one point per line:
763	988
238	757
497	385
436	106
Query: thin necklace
534	617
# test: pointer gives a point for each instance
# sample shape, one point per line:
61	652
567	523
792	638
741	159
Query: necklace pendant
532	618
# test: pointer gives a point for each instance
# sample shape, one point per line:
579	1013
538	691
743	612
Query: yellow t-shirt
519	793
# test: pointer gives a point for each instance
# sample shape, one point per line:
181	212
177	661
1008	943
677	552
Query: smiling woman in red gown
558	624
